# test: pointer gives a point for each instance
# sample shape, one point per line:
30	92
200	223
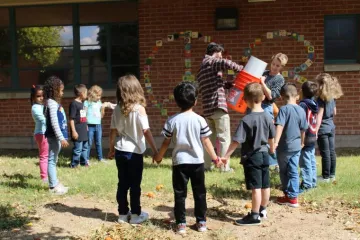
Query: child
289	139
255	132
189	132
307	157
329	91
130	123
37	111
94	113
78	127
56	129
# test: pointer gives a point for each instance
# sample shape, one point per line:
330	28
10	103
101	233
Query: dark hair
79	88
33	90
309	89
52	88
253	92
185	95
213	48
288	90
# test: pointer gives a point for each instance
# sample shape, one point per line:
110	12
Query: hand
272	150
302	145
111	154
275	146
64	143
157	159
224	160
75	135
262	79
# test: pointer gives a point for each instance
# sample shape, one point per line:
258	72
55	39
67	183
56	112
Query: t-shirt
93	112
37	112
130	130
253	133
56	124
292	117
186	130
77	113
274	83
327	123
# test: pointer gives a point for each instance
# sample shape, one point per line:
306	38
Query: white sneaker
263	214
124	218
201	226
323	180
136	219
332	179
59	189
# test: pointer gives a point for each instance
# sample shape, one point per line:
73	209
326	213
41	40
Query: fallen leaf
248	205
15	230
108	238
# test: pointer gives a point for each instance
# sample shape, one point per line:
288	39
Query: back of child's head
213	48
79	88
329	87
282	58
185	95
33	91
253	92
52	87
93	93
128	93
289	91
309	89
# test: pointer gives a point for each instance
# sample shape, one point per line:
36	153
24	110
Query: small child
130	123
78	127
307	157
56	129
37	111
289	139
255	132
189	132
329	91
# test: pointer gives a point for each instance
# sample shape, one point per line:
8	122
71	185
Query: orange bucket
235	99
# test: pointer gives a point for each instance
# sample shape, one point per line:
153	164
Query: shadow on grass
83	212
54	233
18	180
10	218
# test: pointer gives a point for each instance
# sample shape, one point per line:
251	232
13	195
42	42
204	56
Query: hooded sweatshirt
311	109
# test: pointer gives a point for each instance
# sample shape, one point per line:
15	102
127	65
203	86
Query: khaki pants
219	124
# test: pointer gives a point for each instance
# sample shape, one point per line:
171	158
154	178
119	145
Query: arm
210	150
102	110
53	108
230	150
220	64
112	137
272	145
162	151
279	130
38	114
146	129
302	138
72	115
74	134
150	140
266	90
319	118
334	111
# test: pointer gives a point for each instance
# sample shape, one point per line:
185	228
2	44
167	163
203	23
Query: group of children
292	135
51	129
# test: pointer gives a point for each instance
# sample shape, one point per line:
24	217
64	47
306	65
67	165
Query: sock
262	208
255	214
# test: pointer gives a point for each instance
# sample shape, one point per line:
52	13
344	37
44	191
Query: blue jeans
326	143
289	175
79	153
54	150
95	130
308	167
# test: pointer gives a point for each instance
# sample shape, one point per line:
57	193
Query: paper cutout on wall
159	43
309	62
148	61
155	50
194	34
188	46
230	72
311	56
187	63
187	53
276	34
257	41
291	74
170	38
163	112
285	74
306	43
252	45
297	69
297	78
311	49
187	34
247	52
269	35
294	35
301	38
147	68
303	67
148	85
282	33
187	40
302	80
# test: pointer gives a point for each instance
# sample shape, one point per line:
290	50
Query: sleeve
143	121
303	106
37	112
275	88
53	108
240	133
167	130
204	128
86	104
72	111
281	117
224	64
271	129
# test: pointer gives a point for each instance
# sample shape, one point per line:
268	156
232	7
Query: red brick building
331	26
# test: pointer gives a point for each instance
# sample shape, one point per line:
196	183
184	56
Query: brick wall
158	18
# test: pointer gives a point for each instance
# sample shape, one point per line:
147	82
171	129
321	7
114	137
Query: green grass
22	191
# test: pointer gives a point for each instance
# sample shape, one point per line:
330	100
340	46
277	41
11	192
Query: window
341	39
5	49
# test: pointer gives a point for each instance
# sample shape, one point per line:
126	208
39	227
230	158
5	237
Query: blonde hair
93	92
128	93
282	58
253	92
329	87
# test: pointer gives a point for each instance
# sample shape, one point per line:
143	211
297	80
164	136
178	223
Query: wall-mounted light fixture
226	19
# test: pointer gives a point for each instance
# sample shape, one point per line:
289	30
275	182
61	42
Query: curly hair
128	93
329	87
52	88
93	92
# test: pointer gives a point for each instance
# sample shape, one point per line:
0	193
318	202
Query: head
329	87
128	93
80	91
36	94
185	95
214	50
253	94
309	89
289	92
278	61
53	89
95	93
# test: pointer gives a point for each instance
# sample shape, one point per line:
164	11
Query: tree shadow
157	166
55	233
11	218
18	180
83	212
219	192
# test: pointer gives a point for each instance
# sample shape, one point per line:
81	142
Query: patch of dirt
79	217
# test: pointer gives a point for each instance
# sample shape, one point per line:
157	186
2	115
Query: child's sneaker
248	220
201	226
291	202
323	180
263	214
103	161
124	218
332	179
59	189
136	219
181	228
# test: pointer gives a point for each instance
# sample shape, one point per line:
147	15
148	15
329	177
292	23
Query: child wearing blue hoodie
307	158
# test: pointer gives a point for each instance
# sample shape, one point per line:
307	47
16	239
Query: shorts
256	171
